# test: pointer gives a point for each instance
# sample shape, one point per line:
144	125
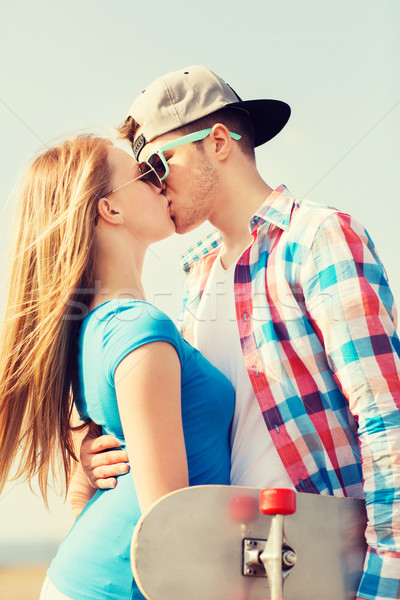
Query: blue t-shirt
93	562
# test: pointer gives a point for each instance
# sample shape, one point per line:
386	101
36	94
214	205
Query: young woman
78	329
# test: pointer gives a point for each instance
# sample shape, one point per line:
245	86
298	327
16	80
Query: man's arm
80	490
98	466
100	459
352	310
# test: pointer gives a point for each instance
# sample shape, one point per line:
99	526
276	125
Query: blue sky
69	67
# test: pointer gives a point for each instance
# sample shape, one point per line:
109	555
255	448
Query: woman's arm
148	388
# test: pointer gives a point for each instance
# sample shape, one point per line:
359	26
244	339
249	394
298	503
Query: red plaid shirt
317	320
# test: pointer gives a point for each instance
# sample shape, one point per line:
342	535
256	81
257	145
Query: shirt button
245	316
256	371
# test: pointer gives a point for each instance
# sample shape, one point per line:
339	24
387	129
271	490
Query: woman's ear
107	213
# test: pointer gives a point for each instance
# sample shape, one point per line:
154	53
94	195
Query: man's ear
222	141
107	213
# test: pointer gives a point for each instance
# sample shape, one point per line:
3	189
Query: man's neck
233	215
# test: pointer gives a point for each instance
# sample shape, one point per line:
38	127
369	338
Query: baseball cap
183	96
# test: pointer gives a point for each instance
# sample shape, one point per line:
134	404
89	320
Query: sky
69	67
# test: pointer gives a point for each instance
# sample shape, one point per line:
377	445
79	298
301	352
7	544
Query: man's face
192	183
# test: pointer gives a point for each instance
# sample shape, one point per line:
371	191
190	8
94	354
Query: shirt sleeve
351	307
133	325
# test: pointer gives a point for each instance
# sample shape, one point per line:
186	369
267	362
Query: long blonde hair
50	281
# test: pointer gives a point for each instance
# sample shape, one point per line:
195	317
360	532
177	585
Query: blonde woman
77	328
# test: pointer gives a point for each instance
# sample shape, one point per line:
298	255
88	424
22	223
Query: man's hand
100	459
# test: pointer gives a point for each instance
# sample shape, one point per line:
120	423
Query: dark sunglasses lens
151	176
157	164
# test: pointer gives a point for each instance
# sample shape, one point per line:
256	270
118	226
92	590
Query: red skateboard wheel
277	501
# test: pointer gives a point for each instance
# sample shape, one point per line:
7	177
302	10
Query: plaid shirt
317	320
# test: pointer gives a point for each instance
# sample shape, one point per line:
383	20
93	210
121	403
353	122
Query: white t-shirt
255	461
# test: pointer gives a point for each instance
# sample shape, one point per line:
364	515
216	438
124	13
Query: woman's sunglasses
147	173
157	162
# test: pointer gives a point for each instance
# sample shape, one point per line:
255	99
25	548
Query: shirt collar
205	246
276	209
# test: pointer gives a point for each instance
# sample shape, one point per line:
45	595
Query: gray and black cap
183	96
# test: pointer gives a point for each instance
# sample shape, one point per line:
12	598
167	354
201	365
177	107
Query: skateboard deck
205	542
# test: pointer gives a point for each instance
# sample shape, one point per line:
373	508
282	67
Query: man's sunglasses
157	162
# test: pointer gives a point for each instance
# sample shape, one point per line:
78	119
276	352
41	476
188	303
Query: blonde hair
51	279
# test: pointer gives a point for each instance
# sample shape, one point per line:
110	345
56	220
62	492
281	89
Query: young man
289	299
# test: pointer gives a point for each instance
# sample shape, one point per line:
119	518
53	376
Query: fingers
112	457
105	442
104	477
109	472
106	484
100	460
93	445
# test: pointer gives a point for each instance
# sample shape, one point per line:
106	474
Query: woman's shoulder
134	319
116	328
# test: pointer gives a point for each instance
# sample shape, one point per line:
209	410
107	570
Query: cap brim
269	117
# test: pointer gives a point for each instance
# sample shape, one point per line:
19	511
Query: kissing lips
169	209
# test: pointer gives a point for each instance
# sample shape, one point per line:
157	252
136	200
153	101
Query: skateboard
237	543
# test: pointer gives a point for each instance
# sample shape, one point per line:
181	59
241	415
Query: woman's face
141	205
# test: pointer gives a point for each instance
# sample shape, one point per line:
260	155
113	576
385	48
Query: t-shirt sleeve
134	325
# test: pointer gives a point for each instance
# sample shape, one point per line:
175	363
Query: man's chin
182	228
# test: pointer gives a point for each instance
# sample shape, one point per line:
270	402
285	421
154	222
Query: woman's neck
118	274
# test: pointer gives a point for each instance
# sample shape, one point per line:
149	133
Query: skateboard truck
273	557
